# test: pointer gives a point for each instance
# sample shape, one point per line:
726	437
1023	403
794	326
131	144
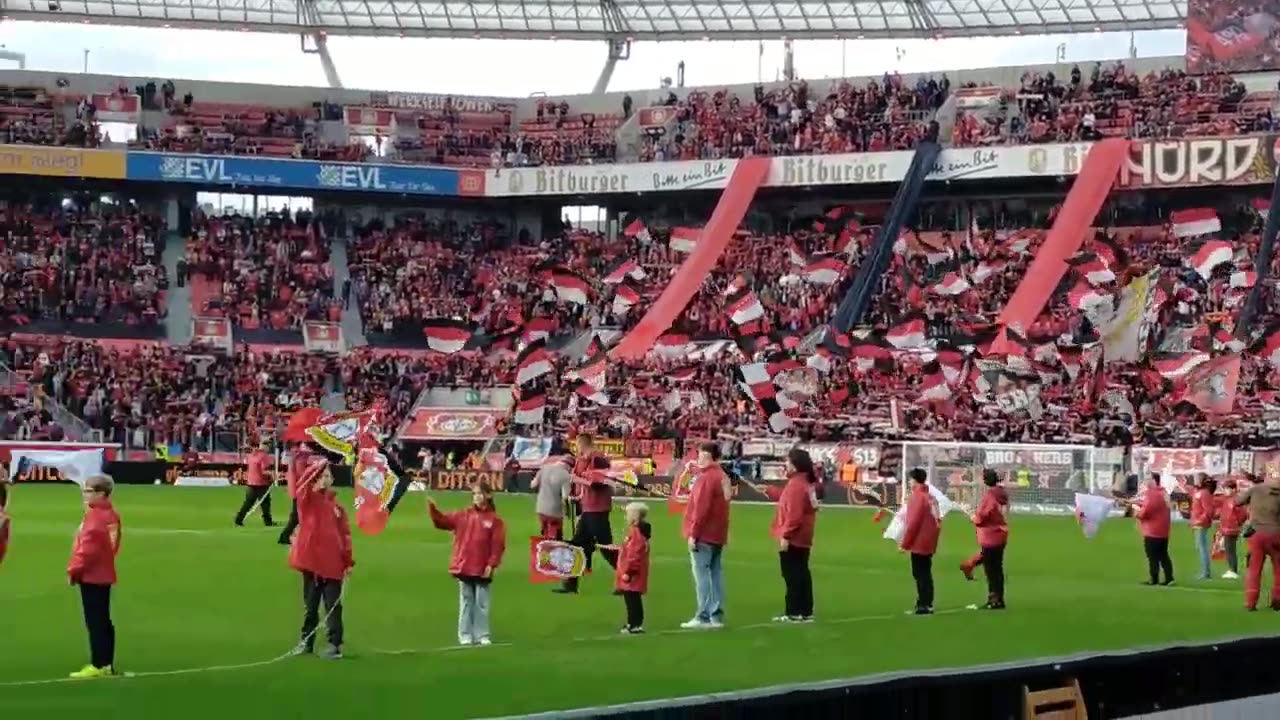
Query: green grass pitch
196	592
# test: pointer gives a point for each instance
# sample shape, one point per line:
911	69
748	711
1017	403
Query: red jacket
1204	508
796	514
256	469
93	560
633	561
988	518
598	496
322	546
1231	516
479	539
920	537
1153	516
706	517
4	539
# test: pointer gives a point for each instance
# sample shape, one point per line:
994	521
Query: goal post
1041	479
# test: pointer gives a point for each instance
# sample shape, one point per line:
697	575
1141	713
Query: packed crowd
1113	101
269	272
80	264
889	114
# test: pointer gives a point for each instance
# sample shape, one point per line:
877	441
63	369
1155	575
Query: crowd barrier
1114	685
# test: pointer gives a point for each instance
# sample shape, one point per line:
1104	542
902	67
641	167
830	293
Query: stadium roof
631	19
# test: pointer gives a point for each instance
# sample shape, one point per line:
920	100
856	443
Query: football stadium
926	369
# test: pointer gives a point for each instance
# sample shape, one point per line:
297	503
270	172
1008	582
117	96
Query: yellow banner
61	162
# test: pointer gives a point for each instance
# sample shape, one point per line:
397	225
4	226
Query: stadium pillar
858	298
1262	265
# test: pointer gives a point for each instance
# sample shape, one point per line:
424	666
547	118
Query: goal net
1039	478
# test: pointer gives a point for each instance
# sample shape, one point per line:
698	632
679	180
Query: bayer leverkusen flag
554	560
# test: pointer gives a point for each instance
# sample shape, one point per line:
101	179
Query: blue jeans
708	581
1204	538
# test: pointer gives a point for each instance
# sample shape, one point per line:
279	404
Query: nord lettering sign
1187	162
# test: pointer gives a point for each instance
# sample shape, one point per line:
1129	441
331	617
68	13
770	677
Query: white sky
517	68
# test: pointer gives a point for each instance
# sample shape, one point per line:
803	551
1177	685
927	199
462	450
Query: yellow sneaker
89	672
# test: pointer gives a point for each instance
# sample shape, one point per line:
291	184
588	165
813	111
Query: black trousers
635	608
592	530
314	590
286	535
1157	550
993	566
252	495
799	581
96	600
922	571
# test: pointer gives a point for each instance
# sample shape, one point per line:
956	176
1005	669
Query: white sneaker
485	641
1228	575
464	640
716	623
695	624
784	619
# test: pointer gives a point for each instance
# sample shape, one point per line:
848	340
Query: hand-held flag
554	560
74	465
1091	510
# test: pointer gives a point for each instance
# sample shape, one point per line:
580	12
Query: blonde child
631	577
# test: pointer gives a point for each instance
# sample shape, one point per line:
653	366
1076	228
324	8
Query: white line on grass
452	649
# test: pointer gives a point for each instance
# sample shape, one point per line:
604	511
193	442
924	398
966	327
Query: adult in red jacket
631	577
4	517
706	528
479	540
322	553
993	536
296	442
1153	522
257	485
1204	510
595	496
794	518
1231	518
93	568
920	539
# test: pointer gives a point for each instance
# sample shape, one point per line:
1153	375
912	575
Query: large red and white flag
532	408
533	362
744	307
685	239
951	284
638	231
1196	221
624	298
1212	385
826	271
907	334
1262	206
1210	255
446	335
622	271
571	287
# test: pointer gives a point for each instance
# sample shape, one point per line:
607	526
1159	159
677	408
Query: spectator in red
993	535
706	527
322	553
920	538
1231	518
93	568
793	524
1204	509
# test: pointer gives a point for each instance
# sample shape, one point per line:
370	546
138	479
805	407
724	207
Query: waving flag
376	485
1211	386
533	362
638	231
627	269
554	561
1210	255
342	432
532	408
824	272
744	307
74	465
1196	221
571	287
685	239
446	335
951	284
624	298
1091	510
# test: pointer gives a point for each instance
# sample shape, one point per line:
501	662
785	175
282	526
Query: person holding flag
300	453
93	569
1153	522
257	486
793	524
993	534
922	527
479	541
321	552
593	529
706	528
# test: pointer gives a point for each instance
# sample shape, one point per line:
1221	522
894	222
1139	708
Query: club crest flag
1091	510
74	465
553	560
375	486
344	433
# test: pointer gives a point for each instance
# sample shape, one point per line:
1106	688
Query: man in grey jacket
552	483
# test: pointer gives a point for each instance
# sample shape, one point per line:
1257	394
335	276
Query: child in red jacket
321	551
631	577
479	540
93	568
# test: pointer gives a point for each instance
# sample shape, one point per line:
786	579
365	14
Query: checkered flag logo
172	167
330	176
